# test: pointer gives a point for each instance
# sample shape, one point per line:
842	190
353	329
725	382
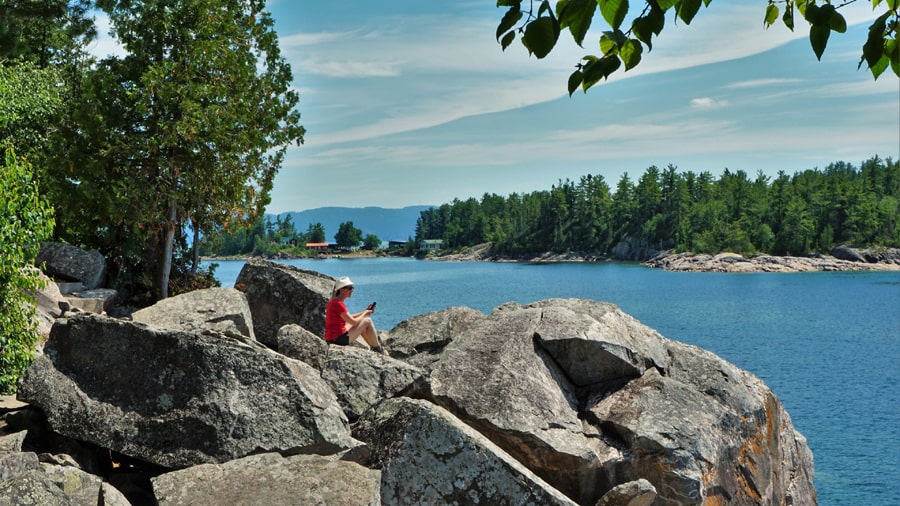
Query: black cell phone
371	307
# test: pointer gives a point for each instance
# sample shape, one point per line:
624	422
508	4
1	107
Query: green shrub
25	221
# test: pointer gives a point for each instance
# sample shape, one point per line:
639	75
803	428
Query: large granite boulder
420	339
39	484
845	252
281	294
428	456
219	309
270	479
361	378
70	263
595	343
50	305
495	378
589	398
296	342
178	399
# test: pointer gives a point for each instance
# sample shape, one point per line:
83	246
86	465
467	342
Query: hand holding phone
371	307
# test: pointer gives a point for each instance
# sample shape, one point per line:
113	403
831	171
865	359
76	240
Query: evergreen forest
804	213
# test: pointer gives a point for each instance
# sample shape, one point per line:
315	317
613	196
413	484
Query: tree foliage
811	211
31	102
371	242
25	220
45	32
188	129
348	236
634	28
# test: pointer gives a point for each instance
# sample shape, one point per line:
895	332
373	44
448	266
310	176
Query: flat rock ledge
733	262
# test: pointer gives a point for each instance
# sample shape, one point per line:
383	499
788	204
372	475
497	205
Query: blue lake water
827	343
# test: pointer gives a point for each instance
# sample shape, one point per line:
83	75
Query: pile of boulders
228	396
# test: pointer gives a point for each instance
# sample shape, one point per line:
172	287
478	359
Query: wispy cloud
763	83
706	103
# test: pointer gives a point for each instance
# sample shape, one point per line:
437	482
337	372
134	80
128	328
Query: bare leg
366	329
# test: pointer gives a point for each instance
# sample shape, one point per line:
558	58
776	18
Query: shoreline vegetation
884	259
840	218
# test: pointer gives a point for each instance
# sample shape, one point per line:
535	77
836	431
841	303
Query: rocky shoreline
226	396
842	258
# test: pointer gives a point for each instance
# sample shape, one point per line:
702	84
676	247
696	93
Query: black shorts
342	340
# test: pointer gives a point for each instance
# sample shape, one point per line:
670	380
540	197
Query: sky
411	102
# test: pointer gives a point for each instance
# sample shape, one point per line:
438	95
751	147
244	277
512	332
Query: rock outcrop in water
561	401
846	259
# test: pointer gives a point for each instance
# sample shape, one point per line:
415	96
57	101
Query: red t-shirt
334	324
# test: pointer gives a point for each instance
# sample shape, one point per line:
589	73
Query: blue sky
411	102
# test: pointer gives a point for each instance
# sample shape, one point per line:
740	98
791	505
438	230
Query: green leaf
880	67
874	48
598	69
837	23
818	38
545	7
540	36
631	53
788	17
657	18
771	15
666	4
607	44
687	9
892	52
640	28
575	81
507	39
512	16
576	15
614	12
611	42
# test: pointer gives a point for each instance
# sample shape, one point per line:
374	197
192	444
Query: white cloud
105	45
707	103
763	83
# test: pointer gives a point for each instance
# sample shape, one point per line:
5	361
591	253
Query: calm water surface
827	344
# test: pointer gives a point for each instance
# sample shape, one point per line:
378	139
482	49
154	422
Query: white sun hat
341	283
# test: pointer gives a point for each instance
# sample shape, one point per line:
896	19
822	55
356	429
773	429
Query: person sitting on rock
343	328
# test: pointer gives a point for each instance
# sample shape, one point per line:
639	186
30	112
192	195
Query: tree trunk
168	245
195	264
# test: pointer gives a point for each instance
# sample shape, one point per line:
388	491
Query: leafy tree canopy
44	32
26	221
347	235
633	28
188	129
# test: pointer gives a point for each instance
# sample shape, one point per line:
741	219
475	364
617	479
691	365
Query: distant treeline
811	211
263	237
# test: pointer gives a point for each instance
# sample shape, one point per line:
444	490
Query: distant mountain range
387	224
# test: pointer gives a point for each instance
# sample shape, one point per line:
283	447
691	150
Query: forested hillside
811	211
